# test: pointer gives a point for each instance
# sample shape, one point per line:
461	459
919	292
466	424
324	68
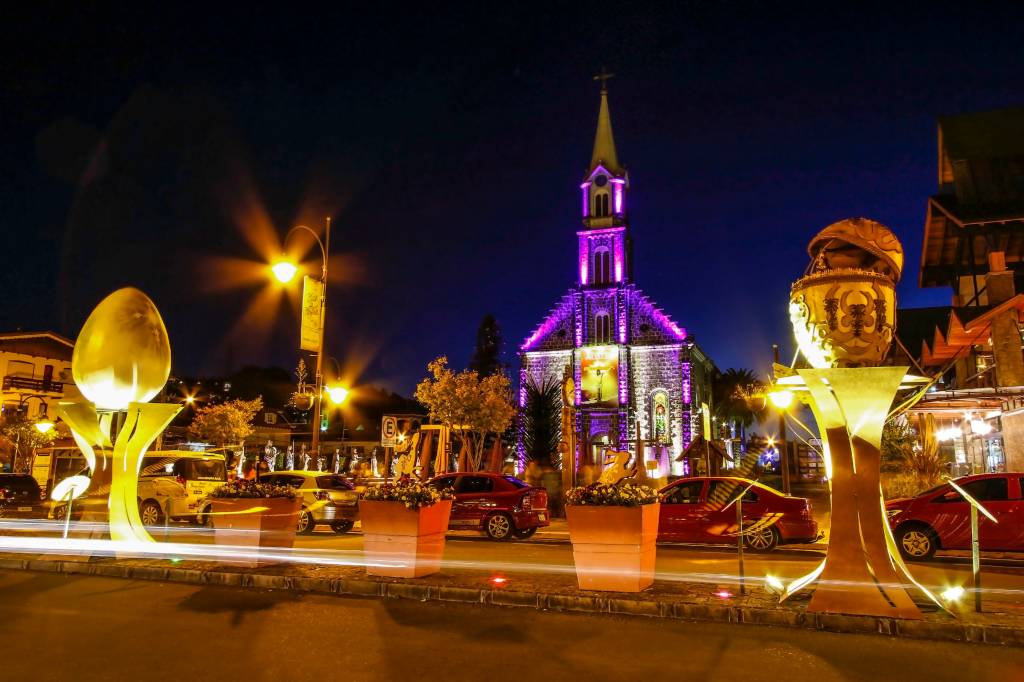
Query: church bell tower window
602	266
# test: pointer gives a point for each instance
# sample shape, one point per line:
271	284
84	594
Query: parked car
176	484
700	509
328	499
499	505
21	497
940	518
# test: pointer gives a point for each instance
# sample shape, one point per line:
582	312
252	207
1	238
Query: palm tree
736	403
542	420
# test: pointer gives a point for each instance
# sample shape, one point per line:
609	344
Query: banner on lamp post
312	314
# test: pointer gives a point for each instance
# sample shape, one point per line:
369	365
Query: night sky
165	151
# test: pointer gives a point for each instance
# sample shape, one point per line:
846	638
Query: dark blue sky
140	148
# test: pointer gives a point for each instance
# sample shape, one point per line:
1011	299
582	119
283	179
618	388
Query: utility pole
782	444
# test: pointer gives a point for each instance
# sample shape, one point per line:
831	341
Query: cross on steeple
603	77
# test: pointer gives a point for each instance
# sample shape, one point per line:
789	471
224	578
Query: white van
175	485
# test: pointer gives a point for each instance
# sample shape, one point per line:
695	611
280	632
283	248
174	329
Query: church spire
604	143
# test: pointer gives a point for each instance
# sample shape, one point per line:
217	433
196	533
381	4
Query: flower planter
613	547
403	543
256	522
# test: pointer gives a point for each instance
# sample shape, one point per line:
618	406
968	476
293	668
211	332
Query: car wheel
763	539
341	527
306	522
499	526
59	511
526	533
151	514
917	542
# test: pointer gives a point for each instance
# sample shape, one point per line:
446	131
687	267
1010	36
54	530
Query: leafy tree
24	437
734	393
902	452
477	405
226	424
486	360
542	420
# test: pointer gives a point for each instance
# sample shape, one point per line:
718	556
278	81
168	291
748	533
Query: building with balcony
36	372
974	245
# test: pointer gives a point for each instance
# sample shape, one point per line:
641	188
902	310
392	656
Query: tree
24	437
486	360
734	393
902	452
473	405
542	420
226	424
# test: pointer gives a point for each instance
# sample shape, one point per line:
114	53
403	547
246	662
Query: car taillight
526	503
322	495
805	513
3	493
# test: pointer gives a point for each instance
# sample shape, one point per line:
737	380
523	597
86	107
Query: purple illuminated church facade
636	373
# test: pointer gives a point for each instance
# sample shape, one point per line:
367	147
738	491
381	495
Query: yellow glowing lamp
781	399
44	425
284	271
122	354
71	488
337	394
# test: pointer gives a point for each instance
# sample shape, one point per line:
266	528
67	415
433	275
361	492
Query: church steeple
604	142
604	243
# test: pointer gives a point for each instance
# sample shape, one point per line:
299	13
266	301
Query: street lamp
44	425
284	271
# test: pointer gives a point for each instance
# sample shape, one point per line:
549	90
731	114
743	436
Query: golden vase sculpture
843	316
121	360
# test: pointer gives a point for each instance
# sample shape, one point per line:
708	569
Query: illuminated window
602	266
603	328
659	414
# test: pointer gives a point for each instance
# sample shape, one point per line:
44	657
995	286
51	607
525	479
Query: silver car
327	499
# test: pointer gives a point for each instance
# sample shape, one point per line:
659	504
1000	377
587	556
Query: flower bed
404	525
613	529
252	516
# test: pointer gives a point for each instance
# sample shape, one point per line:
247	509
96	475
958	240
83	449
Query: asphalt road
56	627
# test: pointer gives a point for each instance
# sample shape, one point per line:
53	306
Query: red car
701	509
501	506
941	519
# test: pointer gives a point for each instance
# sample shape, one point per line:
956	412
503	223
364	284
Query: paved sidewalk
556	590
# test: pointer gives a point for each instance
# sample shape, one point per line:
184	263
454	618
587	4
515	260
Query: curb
955	631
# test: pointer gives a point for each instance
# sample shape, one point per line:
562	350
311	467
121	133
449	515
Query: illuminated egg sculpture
843	308
122	354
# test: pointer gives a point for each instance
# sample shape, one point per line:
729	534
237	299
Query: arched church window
602	266
659	417
603	328
601	205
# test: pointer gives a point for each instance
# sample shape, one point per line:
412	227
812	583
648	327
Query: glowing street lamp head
284	271
337	394
44	425
781	399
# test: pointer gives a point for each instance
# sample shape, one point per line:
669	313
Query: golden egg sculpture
122	354
843	310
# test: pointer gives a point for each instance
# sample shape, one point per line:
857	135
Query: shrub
409	492
608	495
244	489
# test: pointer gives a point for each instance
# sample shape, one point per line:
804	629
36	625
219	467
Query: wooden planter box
613	547
241	523
400	542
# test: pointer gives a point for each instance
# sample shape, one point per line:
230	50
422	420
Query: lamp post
284	270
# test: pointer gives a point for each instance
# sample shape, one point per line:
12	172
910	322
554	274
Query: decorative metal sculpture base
115	465
862	573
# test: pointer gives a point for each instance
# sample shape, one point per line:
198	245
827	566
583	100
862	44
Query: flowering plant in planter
243	489
623	494
411	493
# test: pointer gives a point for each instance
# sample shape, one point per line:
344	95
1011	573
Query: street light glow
781	399
337	394
44	425
284	271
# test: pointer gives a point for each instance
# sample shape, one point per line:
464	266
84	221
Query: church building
635	372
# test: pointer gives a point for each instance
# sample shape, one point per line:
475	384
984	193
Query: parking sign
389	432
